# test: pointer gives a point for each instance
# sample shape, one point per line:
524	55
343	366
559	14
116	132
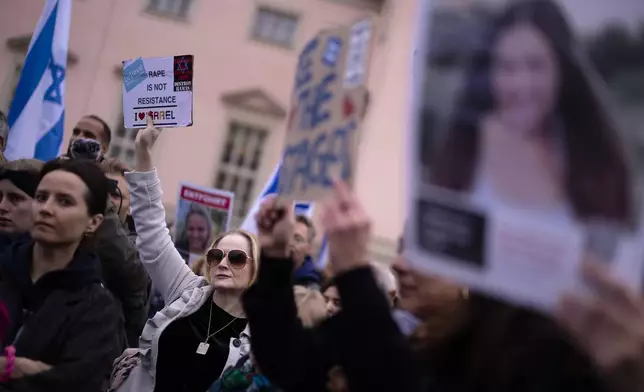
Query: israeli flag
301	208
37	112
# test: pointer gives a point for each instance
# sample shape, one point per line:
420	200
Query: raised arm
280	341
291	356
367	338
169	272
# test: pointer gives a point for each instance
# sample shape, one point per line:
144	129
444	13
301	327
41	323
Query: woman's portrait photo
196	227
536	106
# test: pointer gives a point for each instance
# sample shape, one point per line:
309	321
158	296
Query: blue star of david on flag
37	112
53	93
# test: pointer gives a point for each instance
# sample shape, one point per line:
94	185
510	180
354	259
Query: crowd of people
95	296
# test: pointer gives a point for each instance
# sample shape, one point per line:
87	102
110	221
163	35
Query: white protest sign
160	87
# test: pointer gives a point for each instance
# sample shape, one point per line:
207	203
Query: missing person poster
327	106
517	151
202	214
160	87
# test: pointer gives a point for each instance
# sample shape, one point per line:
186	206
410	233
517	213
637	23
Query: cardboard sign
202	214
327	106
516	170
160	87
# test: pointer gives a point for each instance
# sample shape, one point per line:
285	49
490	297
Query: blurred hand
145	140
348	230
25	367
610	327
275	225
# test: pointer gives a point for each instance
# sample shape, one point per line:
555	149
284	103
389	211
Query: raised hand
609	326
348	230
275	225
145	140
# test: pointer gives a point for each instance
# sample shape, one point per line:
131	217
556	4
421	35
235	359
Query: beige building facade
245	55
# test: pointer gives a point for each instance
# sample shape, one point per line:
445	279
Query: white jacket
182	290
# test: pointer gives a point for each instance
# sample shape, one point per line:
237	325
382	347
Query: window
173	8
275	27
240	160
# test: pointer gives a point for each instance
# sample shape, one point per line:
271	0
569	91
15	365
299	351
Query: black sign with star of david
183	72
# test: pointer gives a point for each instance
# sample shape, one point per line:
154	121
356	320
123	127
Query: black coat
123	274
362	338
67	319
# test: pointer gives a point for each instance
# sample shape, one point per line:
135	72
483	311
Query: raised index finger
343	194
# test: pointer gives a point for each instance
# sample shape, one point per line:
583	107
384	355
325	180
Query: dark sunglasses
236	258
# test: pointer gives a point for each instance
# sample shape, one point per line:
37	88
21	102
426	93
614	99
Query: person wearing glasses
202	330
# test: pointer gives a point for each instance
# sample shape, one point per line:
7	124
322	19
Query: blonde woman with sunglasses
202	330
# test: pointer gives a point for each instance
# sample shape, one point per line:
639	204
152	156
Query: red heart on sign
141	115
348	107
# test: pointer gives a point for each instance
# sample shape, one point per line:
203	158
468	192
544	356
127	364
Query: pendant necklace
203	347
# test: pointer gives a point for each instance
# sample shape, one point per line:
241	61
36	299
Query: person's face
122	199
60	211
525	78
300	246
89	128
15	209
197	231
233	276
419	293
332	298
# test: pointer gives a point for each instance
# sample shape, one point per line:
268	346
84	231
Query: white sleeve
168	271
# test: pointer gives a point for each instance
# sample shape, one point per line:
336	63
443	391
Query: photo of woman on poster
530	130
202	214
196	233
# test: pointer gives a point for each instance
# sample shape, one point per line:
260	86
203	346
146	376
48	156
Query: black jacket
362	338
67	319
121	270
123	274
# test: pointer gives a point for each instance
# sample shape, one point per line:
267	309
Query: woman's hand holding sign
609	326
145	139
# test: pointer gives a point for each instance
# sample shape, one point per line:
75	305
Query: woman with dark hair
65	328
530	129
18	182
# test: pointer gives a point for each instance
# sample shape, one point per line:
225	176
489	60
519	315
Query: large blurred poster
202	214
518	159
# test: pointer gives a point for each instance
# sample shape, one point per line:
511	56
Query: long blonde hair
202	266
